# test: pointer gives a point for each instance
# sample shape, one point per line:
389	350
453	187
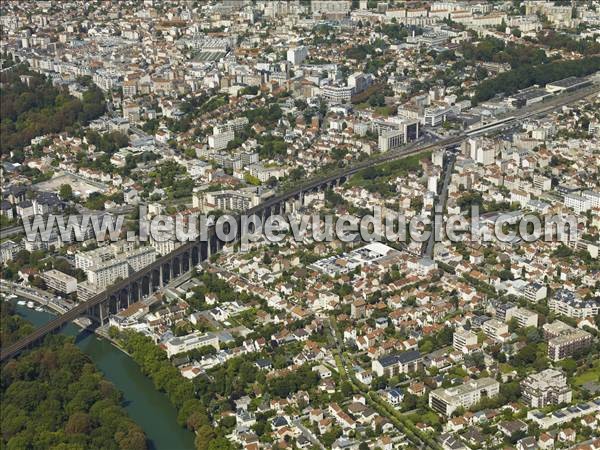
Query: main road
309	185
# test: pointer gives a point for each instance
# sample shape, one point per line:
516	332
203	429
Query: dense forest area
495	50
32	106
526	75
54	398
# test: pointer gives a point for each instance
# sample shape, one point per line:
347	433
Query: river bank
149	408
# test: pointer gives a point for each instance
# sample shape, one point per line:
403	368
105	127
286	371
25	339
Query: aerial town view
299	224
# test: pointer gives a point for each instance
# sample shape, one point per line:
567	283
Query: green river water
149	408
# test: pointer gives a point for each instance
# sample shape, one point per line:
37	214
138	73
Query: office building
390	140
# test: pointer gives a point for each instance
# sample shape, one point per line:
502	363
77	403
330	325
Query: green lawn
589	375
384	110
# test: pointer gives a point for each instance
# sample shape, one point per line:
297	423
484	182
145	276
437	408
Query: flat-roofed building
189	342
567	84
448	400
60	281
108	272
464	341
496	330
524	317
549	387
568	344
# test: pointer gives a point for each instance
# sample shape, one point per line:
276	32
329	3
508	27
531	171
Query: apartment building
236	125
548	387
534	292
524	317
140	258
60	281
496	330
337	94
505	310
577	203
568	304
219	140
556	328
593	197
448	400
330	6
568	344
390	365
106	273
86	260
227	200
464	341
9	249
297	55
564	415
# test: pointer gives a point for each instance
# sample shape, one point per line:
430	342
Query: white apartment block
140	258
219	141
548	387
577	203
524	317
108	272
593	197
542	183
359	81
337	94
464	341
535	292
485	155
235	125
496	330
564	415
60	281
228	200
448	400
297	55
330	6
86	260
189	342
568	304
8	250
